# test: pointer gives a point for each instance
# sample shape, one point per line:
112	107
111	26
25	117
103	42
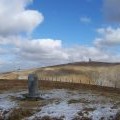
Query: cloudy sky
36	33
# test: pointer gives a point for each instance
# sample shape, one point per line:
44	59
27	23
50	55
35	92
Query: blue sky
35	33
62	20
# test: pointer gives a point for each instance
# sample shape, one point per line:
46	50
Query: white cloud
16	50
42	49
83	53
2	62
85	19
11	40
35	49
112	10
108	37
49	51
15	18
2	51
41	52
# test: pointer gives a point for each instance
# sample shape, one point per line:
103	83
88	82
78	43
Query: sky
36	33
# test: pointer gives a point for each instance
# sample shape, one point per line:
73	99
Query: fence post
115	84
60	79
101	83
72	79
80	81
66	80
89	81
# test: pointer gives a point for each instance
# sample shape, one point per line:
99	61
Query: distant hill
22	74
99	73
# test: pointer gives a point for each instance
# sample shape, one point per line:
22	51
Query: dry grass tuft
78	101
18	114
48	118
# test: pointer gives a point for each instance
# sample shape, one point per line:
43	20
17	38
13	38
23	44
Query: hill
14	75
98	73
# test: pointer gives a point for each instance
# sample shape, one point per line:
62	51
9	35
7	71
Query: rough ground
60	104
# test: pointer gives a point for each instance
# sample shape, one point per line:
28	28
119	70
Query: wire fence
97	82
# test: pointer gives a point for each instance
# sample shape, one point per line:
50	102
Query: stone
33	86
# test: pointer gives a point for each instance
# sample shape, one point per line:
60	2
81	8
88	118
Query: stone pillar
33	86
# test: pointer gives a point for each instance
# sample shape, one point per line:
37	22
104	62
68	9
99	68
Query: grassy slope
97	73
16	74
93	73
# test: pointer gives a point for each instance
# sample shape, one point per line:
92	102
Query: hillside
98	73
23	74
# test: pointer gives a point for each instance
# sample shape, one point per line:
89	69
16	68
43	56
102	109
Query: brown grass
78	101
6	85
89	109
32	104
19	113
60	85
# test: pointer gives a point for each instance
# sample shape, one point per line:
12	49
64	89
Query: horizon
25	69
36	33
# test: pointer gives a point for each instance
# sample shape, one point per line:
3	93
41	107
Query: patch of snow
55	93
6	104
101	104
58	110
70	111
106	113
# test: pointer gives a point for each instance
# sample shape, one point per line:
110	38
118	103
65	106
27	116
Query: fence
76	79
